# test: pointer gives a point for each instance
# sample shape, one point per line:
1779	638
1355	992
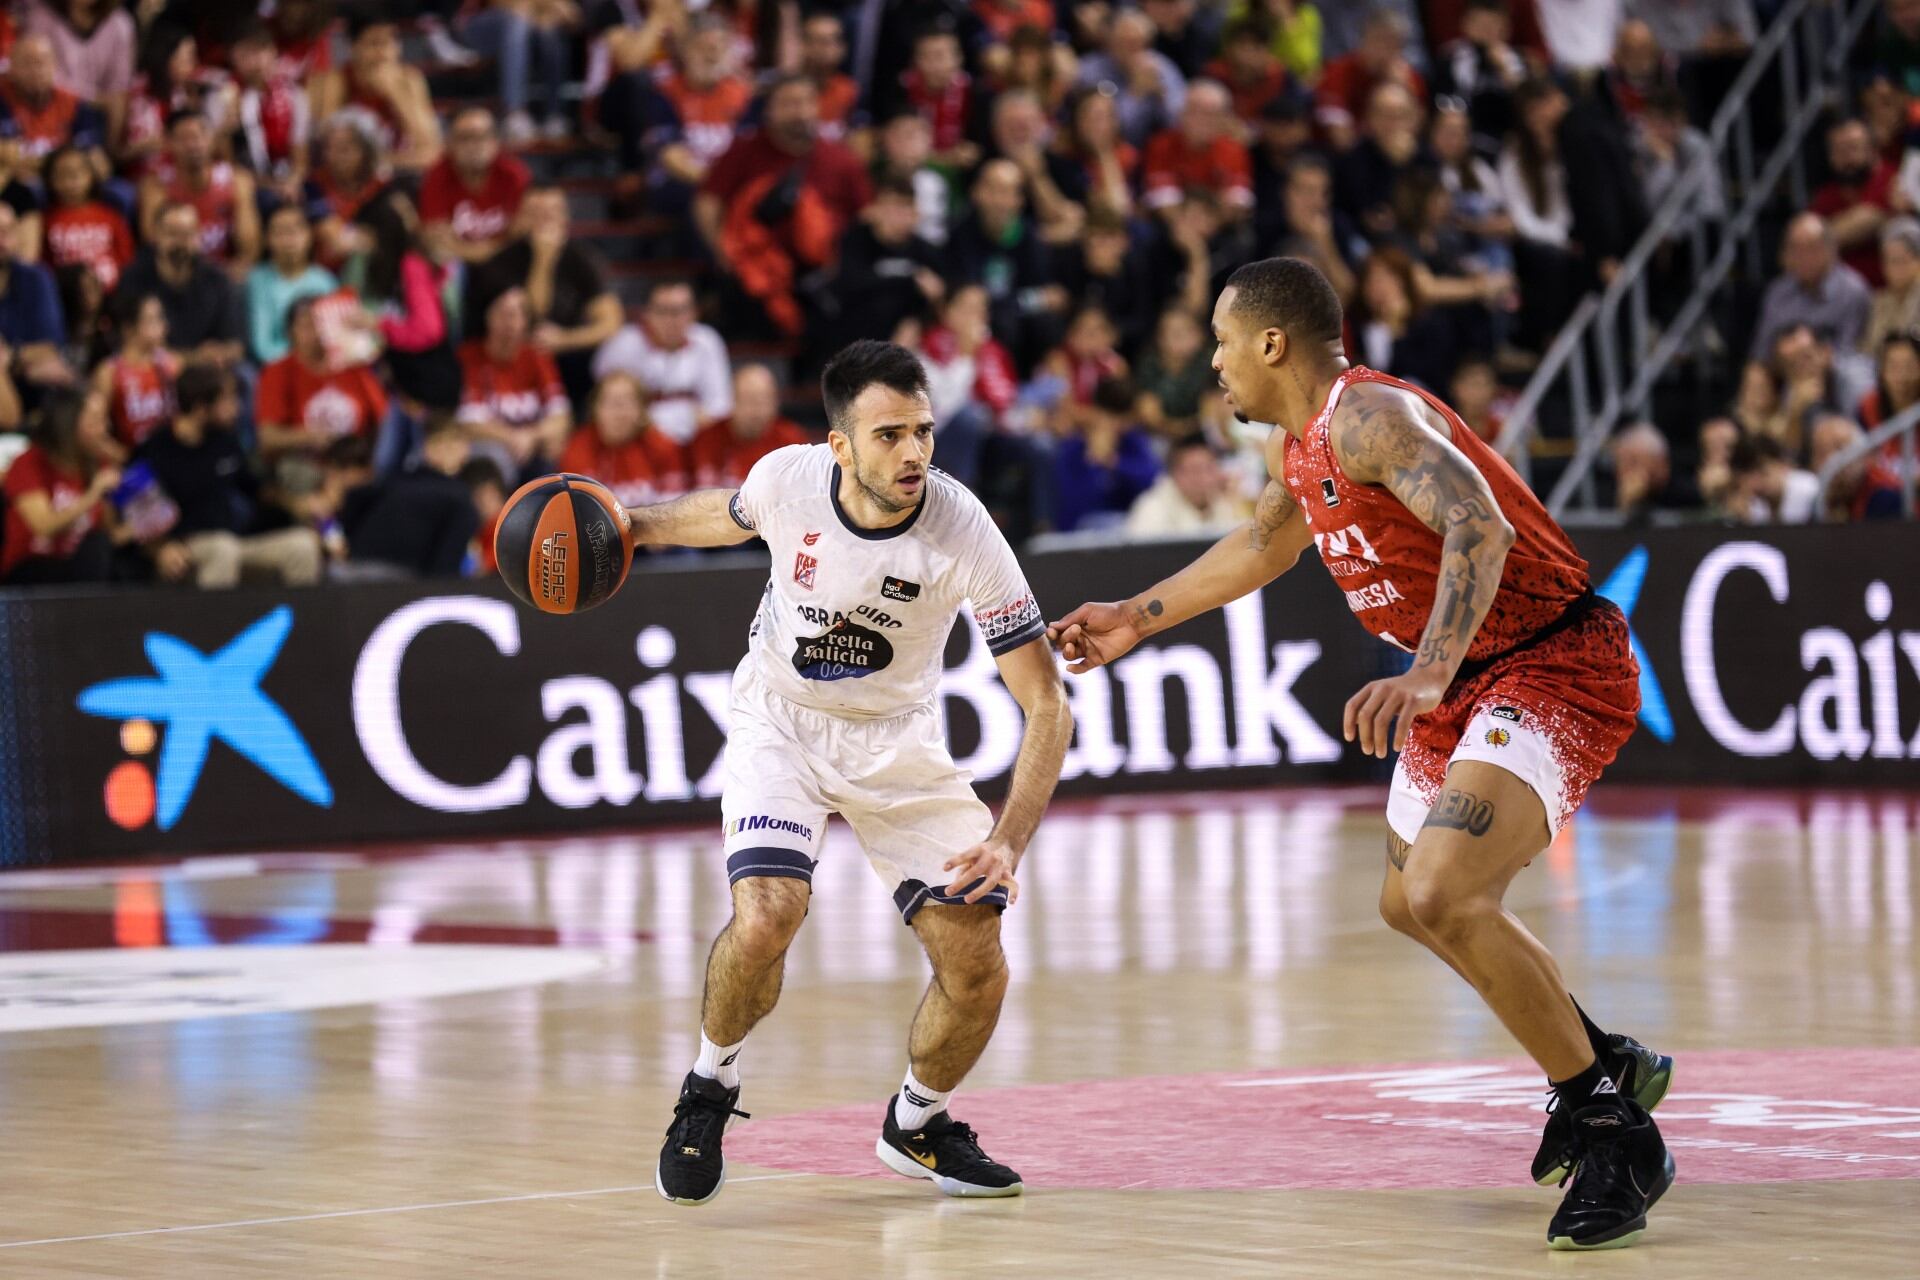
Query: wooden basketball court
459	1060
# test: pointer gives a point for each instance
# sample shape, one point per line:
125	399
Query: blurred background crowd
304	290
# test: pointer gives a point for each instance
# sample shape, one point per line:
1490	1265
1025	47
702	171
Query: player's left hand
991	862
1380	714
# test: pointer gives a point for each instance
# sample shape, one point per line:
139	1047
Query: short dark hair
184	114
361	21
864	364
442	422
894	185
300	306
1752	453
1289	294
200	385
126	305
1192	440
251	31
479	472
665	283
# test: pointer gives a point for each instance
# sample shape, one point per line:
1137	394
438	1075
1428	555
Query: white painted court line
363	1213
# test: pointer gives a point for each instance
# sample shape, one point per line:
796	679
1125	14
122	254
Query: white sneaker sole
664	1195
907	1167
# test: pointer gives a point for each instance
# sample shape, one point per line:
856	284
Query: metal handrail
1903	425
1796	42
1518	431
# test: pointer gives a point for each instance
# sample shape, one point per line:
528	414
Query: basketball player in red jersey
1522	688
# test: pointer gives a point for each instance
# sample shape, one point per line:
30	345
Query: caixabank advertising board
145	722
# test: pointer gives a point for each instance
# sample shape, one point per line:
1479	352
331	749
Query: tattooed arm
1247	559
1382	436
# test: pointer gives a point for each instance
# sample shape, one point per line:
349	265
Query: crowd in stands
269	308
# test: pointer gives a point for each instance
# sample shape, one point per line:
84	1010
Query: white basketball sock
718	1061
917	1103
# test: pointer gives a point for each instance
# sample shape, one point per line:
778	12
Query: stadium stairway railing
1606	362
1902	426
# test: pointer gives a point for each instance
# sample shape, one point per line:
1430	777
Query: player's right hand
1093	635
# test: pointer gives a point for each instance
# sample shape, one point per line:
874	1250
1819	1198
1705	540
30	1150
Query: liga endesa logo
191	699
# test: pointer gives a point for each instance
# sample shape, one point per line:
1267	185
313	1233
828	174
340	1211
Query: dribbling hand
1093	635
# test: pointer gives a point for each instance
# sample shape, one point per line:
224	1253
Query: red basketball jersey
1388	562
142	397
214	203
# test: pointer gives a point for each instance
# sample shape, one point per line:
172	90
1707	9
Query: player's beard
878	497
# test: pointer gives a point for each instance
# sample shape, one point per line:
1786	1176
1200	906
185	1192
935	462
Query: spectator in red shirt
137	384
80	228
274	124
471	197
972	383
1347	84
171	80
1032	60
938	87
39	116
302	32
725	451
622	450
57	517
377	80
1001	18
305	403
1857	197
514	406
965	365
1106	161
220	193
763	204
1201	151
351	177
706	97
1081	363
823	54
1248	67
1639	70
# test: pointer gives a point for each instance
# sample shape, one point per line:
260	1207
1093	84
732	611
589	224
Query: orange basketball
562	545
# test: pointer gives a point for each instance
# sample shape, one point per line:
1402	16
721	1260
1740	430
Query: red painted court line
1786	1115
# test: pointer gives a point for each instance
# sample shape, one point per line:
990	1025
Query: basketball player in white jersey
835	710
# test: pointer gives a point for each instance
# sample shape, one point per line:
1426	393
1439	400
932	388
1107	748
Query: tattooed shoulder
1377	431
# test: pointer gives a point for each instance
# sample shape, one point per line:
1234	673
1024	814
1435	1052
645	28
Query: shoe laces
961	1135
1595	1169
696	1114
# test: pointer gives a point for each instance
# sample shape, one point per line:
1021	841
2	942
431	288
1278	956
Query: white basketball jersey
854	621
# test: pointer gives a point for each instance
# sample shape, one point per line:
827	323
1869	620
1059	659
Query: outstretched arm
1034	681
1247	559
703	518
1382	436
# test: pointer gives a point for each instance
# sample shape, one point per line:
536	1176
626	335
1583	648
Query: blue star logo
199	697
1623	588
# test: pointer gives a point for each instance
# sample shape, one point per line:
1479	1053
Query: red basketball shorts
1554	715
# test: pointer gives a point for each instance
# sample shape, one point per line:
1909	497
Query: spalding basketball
562	545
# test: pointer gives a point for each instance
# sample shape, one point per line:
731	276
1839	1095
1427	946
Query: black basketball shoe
948	1154
691	1169
1638	1072
1621	1168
